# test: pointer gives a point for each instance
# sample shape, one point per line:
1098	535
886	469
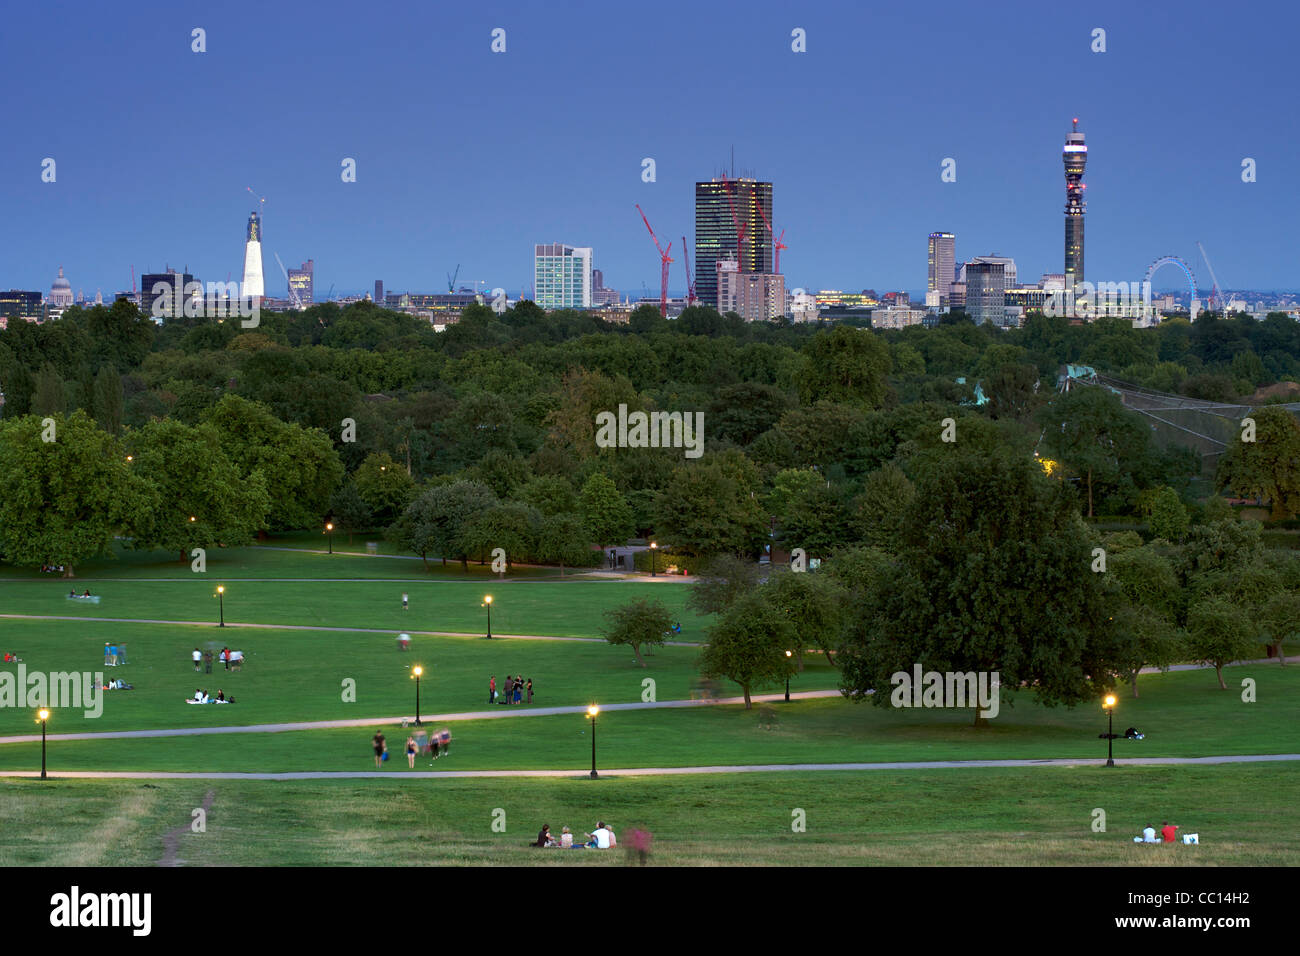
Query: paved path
390	632
580	773
499	711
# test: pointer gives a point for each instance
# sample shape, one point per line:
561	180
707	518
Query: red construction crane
664	260
735	221
691	298
777	244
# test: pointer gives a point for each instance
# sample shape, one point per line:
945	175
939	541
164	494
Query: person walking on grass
492	689
207	663
519	689
410	752
381	747
510	689
405	602
197	657
530	690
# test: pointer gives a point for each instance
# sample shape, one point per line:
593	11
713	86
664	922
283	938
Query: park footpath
654	771
427	718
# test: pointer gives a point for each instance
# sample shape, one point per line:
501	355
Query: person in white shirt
1149	834
599	837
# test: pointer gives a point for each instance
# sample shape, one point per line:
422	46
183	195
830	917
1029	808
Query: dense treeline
483	436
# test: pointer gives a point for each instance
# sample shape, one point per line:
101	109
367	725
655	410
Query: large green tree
1269	466
990	574
562	539
1095	436
201	500
65	499
711	506
605	512
748	644
639	623
299	465
1220	632
436	521
846	365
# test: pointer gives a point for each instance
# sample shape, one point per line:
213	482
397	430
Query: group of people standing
205	659
514	691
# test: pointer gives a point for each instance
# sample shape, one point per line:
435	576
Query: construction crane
293	293
451	279
691	298
1217	294
777	244
664	260
735	221
261	209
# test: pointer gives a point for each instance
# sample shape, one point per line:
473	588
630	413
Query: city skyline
418	208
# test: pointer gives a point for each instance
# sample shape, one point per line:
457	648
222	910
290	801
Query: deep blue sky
465	156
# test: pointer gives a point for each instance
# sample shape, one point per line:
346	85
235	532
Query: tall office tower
1075	157
943	262
379	292
163	294
715	231
300	282
597	279
986	292
254	285
562	276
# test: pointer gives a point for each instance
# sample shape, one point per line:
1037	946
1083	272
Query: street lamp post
592	711
42	715
416	672
787	678
487	603
221	605
1109	704
329	529
653	548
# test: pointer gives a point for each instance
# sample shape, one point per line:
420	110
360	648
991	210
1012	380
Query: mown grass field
971	816
268	586
1183	714
1245	815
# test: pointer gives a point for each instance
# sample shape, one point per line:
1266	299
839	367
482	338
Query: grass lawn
1244	814
267	586
1182	714
298	675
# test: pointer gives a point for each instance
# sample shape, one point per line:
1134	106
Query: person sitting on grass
599	837
544	837
566	839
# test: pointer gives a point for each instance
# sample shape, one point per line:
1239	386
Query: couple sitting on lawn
201	697
602	838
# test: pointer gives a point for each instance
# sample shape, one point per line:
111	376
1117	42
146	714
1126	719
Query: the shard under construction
253	286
